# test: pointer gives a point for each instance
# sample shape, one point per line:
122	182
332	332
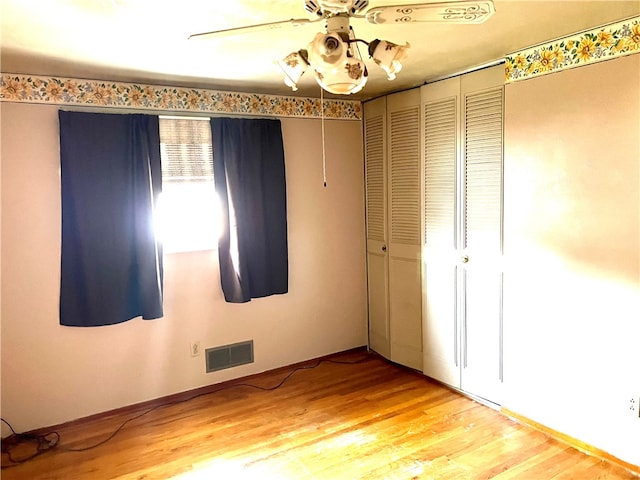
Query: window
189	210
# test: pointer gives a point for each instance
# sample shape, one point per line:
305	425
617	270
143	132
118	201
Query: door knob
465	259
384	248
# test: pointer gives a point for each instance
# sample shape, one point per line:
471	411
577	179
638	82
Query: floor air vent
227	356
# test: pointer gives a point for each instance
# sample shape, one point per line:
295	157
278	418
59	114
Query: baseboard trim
183	396
573	442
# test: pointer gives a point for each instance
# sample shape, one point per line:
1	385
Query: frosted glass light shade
327	52
293	66
350	78
388	56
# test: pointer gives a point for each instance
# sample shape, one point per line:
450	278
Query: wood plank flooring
368	420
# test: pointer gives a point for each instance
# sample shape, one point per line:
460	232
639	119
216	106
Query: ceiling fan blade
447	12
253	28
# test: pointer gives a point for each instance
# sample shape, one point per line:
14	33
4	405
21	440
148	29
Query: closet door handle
465	259
384	248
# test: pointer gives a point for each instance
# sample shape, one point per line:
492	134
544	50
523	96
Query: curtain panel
111	263
249	173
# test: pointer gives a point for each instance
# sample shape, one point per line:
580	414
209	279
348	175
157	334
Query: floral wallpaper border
69	91
614	40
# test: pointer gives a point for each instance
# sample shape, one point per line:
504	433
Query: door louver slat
483	167
440	172
404	158
374	171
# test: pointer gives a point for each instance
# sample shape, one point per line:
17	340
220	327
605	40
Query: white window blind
185	146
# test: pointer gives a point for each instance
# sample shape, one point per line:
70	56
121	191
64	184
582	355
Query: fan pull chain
324	158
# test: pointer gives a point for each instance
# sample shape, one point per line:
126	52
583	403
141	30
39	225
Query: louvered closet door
375	125
441	322
405	296
482	237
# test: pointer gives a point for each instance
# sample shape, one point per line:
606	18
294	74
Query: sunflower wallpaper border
591	46
98	93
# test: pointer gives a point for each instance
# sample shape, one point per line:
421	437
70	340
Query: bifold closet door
405	291
462	234
441	259
375	132
481	280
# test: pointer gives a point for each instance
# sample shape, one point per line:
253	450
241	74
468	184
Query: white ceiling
145	41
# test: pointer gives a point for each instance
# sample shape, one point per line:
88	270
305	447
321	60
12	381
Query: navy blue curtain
111	265
249	172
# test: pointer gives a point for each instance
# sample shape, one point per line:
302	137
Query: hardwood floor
369	420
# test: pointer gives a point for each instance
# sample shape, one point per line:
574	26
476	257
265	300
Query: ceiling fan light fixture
388	56
350	78
293	66
334	55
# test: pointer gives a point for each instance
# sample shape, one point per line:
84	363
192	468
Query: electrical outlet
634	407
195	349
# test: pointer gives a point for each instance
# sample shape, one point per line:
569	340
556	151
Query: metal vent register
227	356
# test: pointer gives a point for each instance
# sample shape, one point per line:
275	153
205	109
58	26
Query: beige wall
52	374
572	252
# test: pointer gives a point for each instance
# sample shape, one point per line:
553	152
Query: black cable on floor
45	443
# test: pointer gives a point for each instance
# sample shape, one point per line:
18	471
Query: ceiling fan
334	56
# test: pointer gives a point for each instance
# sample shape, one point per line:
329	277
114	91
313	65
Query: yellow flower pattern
605	38
622	38
12	89
634	39
586	49
68	91
54	91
